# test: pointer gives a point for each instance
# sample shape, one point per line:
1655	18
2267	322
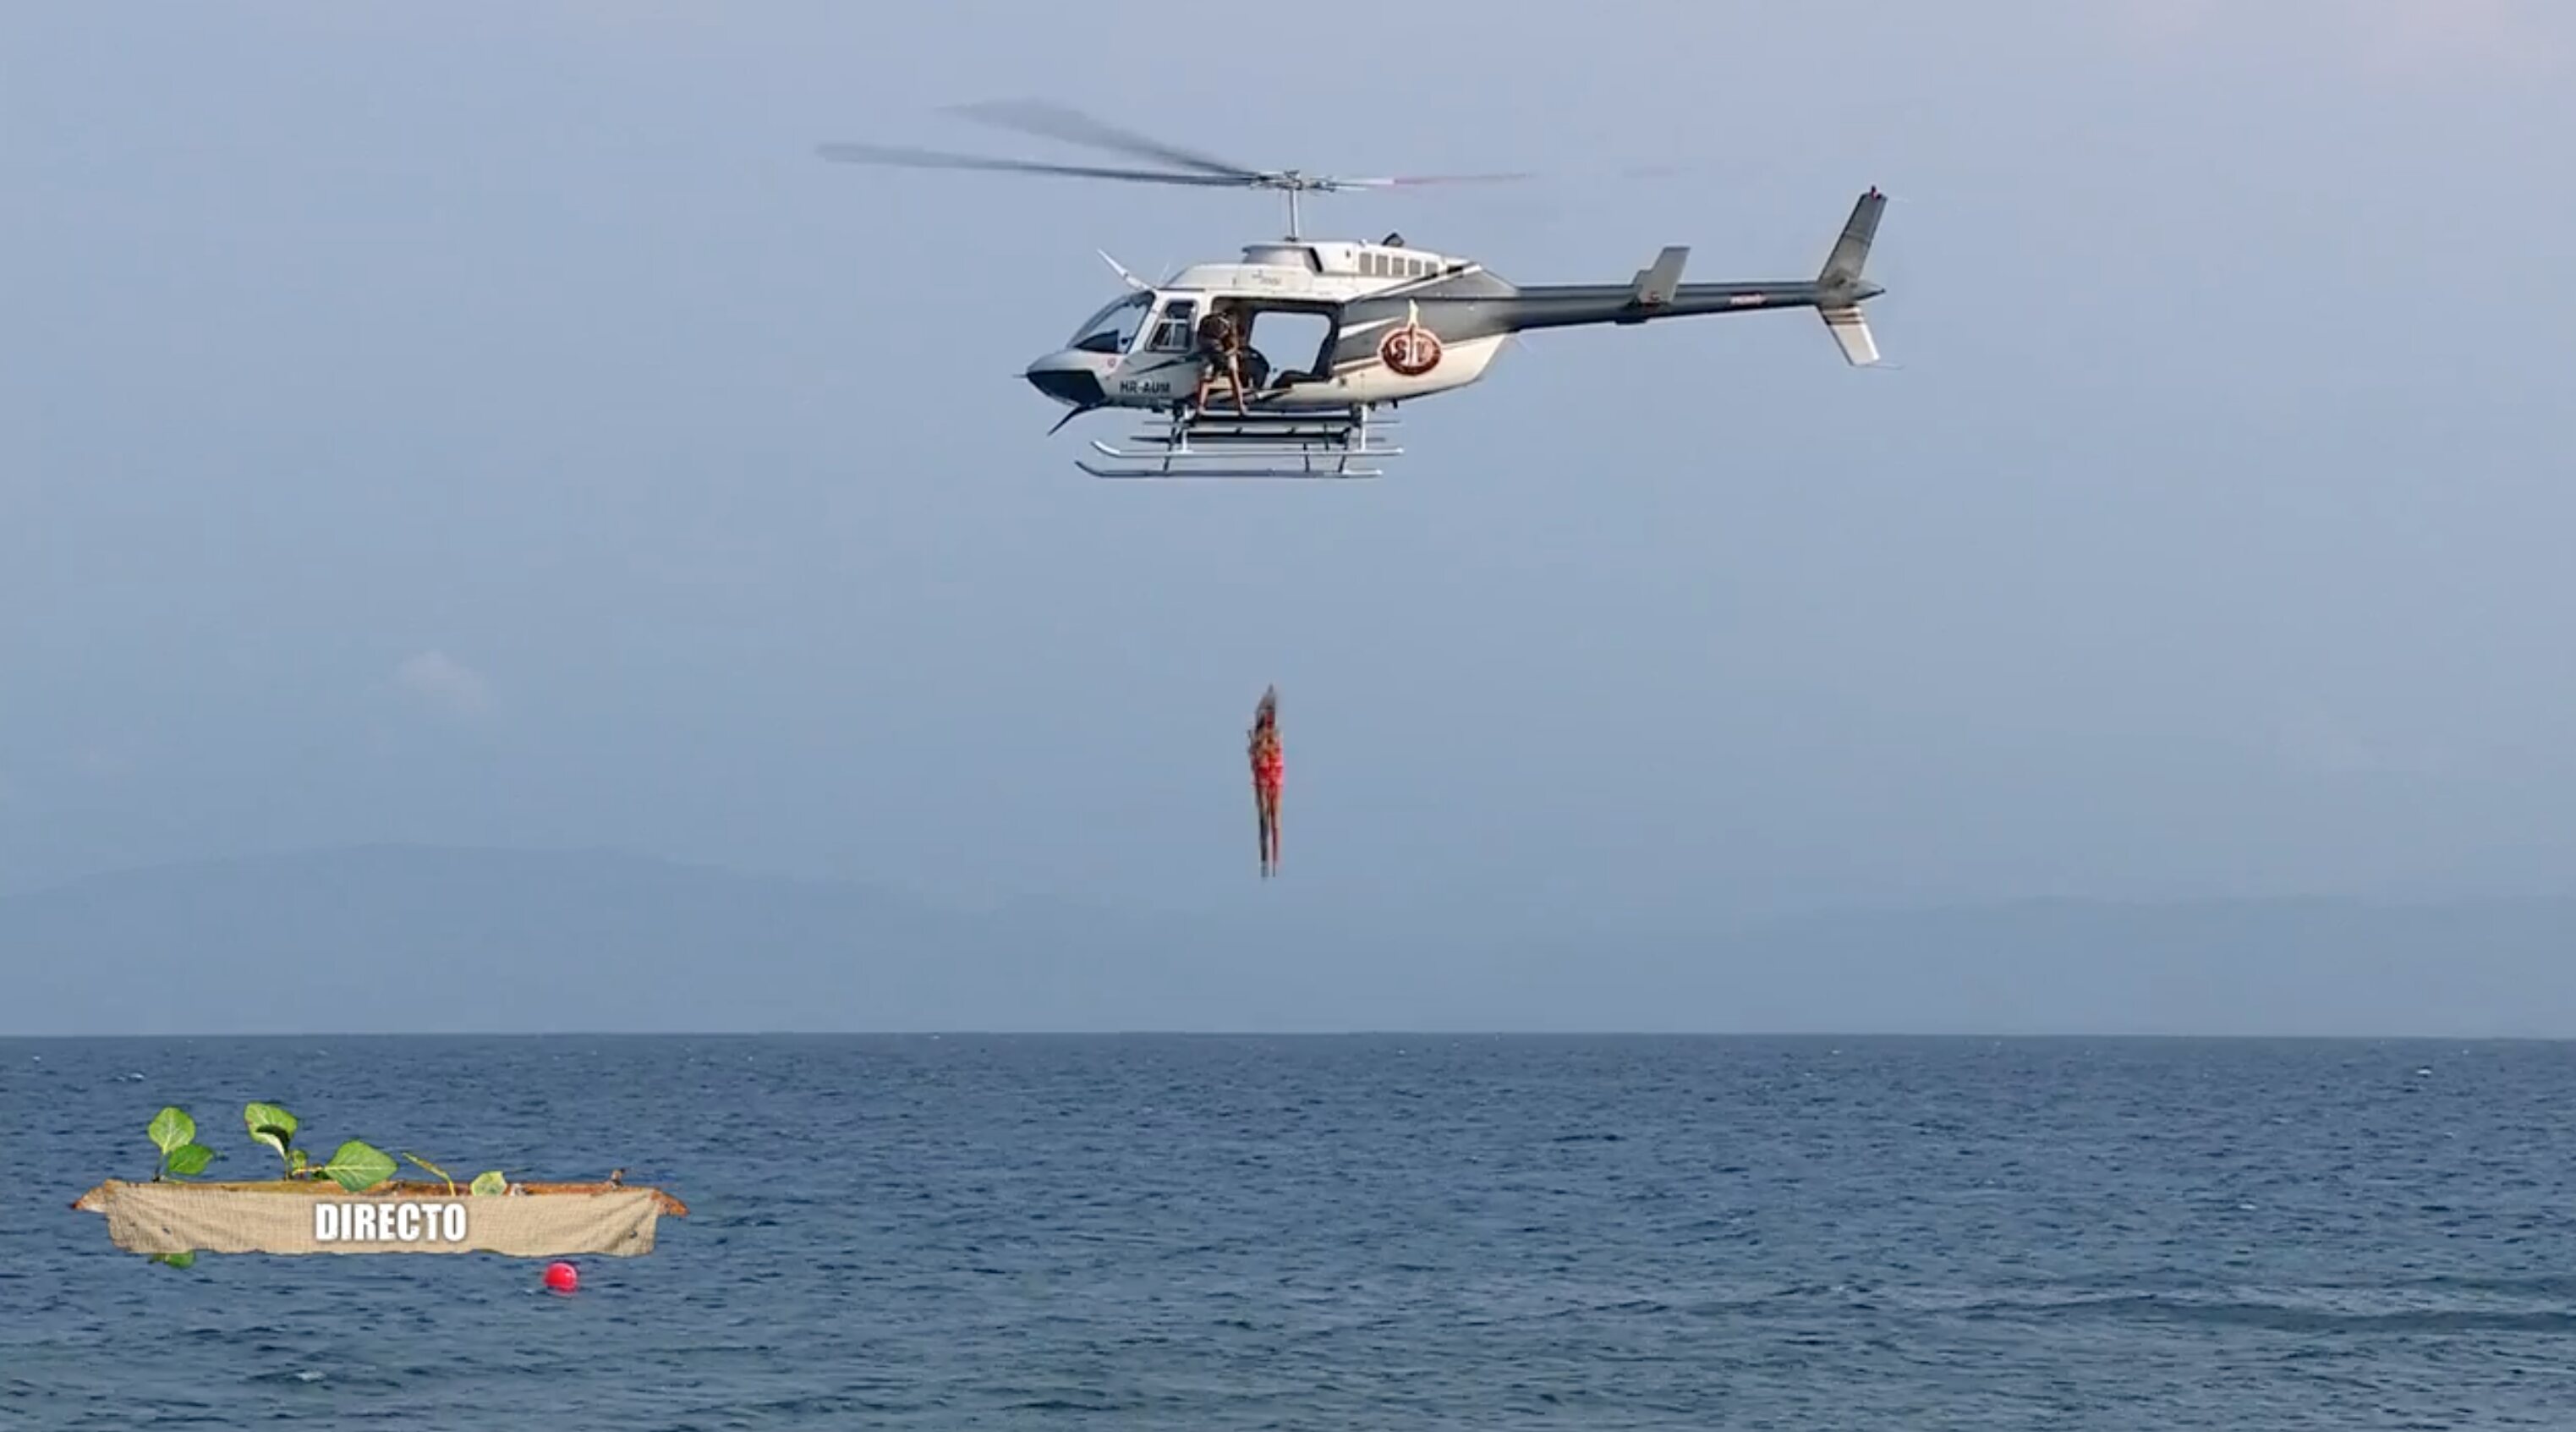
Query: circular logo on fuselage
1410	351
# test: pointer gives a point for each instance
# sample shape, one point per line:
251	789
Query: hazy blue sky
489	423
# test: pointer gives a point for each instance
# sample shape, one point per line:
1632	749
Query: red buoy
562	1277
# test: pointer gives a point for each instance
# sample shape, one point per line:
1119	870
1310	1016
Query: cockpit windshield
1114	326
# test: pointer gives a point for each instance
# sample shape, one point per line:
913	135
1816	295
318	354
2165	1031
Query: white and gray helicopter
1397	322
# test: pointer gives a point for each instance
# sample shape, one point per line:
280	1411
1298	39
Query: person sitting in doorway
1220	346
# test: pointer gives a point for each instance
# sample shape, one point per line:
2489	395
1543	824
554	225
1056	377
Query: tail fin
1844	291
1851	251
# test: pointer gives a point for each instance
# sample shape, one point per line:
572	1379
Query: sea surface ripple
1388	1232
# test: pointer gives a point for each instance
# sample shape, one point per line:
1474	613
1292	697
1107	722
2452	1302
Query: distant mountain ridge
452	940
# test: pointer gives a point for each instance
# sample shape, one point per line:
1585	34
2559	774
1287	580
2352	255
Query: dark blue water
1349	1234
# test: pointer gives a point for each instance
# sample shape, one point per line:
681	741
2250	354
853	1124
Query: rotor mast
1295	184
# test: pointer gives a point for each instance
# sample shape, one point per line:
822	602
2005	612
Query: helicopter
1397	322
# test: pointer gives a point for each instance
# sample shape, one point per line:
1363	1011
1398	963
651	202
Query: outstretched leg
1269	831
1207	382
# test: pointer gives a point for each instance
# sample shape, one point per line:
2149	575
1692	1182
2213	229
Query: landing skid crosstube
1330	444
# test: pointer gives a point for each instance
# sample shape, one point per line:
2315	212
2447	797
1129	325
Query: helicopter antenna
1184	167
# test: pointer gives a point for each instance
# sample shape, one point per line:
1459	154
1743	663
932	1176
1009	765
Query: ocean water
1348	1234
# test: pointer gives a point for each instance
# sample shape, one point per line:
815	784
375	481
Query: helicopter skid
1314	444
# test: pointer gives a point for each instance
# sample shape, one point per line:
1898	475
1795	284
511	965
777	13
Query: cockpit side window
1173	331
1114	326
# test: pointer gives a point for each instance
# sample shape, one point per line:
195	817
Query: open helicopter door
1281	434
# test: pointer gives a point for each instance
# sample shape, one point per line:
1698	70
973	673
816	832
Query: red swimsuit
1269	766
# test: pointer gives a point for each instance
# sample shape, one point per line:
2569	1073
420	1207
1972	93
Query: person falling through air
1269	771
1220	344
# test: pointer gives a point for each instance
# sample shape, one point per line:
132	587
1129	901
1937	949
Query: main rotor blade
937	159
1633	171
1411	181
1056	121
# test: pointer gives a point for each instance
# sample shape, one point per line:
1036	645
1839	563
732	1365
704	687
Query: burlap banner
531	1221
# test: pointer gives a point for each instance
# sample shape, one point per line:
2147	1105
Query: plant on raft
356	1165
487	1182
175	1135
182	1157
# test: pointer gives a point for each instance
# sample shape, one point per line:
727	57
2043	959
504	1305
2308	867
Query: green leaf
296	1162
358	1166
189	1160
270	1124
176	1260
490	1182
171	1128
443	1176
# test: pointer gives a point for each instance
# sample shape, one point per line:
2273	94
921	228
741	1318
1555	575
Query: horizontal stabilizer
1852	335
1655	285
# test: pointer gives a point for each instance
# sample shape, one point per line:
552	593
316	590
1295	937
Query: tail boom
1836	293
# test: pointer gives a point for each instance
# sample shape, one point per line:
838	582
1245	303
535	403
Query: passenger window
1172	333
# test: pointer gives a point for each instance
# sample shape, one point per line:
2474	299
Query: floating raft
531	1220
